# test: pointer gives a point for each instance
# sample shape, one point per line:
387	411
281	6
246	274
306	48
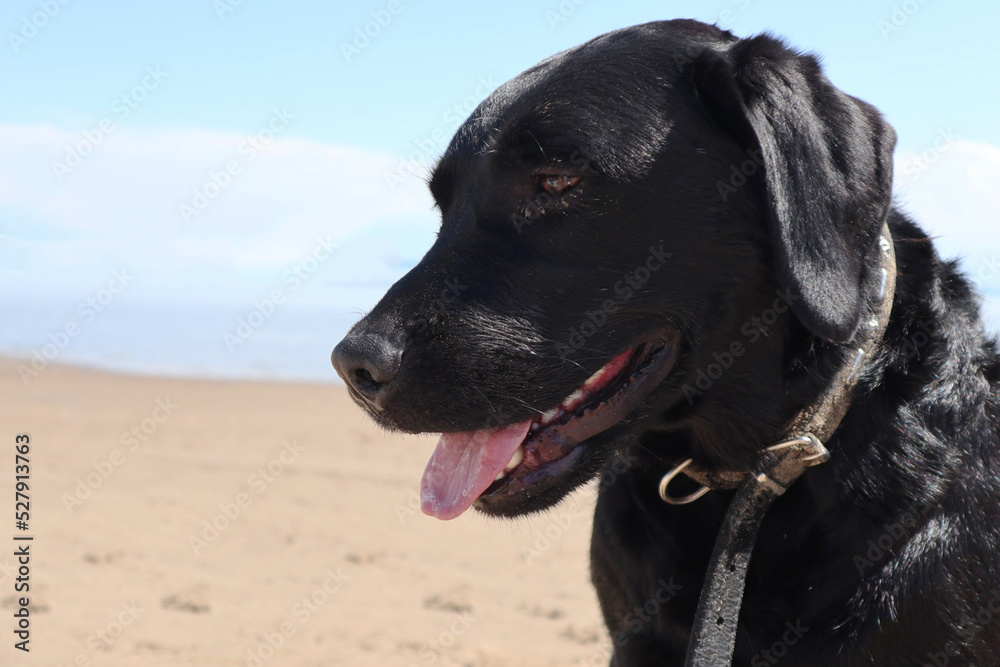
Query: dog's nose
367	363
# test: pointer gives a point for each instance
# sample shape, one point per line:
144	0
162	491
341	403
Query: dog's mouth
495	467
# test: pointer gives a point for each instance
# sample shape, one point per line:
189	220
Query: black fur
767	187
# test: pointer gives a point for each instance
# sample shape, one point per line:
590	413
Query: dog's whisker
524	403
538	143
485	398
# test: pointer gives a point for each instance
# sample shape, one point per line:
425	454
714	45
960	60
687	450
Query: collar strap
814	425
713	634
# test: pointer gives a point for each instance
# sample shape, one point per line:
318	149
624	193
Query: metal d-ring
669	477
815	452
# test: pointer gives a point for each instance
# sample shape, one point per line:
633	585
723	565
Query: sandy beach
181	522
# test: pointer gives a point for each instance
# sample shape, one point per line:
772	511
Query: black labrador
659	245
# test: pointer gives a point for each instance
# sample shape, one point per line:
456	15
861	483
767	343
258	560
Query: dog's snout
367	363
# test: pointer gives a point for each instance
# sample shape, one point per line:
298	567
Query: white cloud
953	192
120	206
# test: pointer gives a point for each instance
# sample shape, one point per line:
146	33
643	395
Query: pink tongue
464	465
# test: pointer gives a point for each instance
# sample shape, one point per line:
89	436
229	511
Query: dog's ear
827	172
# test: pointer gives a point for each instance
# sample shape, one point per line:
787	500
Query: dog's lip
551	451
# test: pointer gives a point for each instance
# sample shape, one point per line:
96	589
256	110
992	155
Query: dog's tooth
593	379
548	416
500	475
572	398
515	460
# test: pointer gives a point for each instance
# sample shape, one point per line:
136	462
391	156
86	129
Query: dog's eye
557	184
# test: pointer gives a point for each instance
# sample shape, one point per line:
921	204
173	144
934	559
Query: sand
193	522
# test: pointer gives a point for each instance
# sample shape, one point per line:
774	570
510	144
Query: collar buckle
794	456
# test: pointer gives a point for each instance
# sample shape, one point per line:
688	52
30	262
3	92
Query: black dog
658	245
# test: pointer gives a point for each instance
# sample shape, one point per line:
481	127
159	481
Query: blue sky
938	66
294	132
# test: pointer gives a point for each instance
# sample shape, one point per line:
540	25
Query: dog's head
635	232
